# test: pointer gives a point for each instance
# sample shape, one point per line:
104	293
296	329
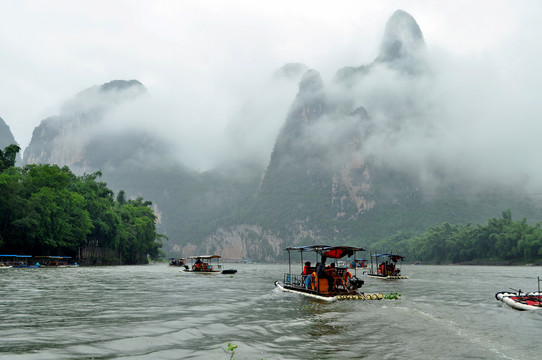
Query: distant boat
176	261
384	266
18	262
358	263
56	261
417	262
206	264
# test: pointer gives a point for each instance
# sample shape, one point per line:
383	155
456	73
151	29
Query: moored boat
520	300
206	264
326	283
18	262
56	261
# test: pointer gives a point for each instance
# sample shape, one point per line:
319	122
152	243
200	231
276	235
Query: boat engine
356	283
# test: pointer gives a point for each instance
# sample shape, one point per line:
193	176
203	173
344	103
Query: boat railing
294	279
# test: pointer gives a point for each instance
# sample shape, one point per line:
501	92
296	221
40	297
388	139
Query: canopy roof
307	248
391	256
17	256
335	252
206	257
55	257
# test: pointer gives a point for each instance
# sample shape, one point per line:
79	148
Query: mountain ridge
336	173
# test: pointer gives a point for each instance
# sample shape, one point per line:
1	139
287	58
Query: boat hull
281	286
521	300
200	272
229	271
390	277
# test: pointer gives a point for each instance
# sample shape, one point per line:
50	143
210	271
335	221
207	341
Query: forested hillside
47	210
500	241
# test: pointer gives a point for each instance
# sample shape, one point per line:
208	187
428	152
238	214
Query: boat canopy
55	257
335	252
17	256
307	248
393	257
206	257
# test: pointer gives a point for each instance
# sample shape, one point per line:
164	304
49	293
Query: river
157	312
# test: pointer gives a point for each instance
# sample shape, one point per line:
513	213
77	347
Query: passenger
331	273
321	269
198	265
306	269
306	274
308	279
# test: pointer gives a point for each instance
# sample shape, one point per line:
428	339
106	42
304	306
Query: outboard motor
186	267
356	283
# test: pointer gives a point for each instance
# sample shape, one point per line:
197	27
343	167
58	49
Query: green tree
8	156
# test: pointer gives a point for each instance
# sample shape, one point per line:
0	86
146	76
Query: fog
208	67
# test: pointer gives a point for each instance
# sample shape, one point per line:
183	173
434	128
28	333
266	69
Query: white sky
203	59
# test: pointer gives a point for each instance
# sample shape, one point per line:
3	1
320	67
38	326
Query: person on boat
307	268
321	269
331	274
198	265
323	274
306	274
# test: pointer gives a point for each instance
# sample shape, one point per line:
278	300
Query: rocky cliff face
70	138
7	138
323	169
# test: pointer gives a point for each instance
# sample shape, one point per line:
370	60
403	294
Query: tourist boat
176	261
521	300
206	264
329	283
18	262
385	267
358	263
56	261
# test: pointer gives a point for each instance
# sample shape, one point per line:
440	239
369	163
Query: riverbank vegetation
500	241
47	210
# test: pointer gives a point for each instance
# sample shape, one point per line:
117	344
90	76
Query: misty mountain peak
402	38
63	139
311	82
100	98
290	71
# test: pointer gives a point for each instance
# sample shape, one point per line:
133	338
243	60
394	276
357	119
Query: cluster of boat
33	262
